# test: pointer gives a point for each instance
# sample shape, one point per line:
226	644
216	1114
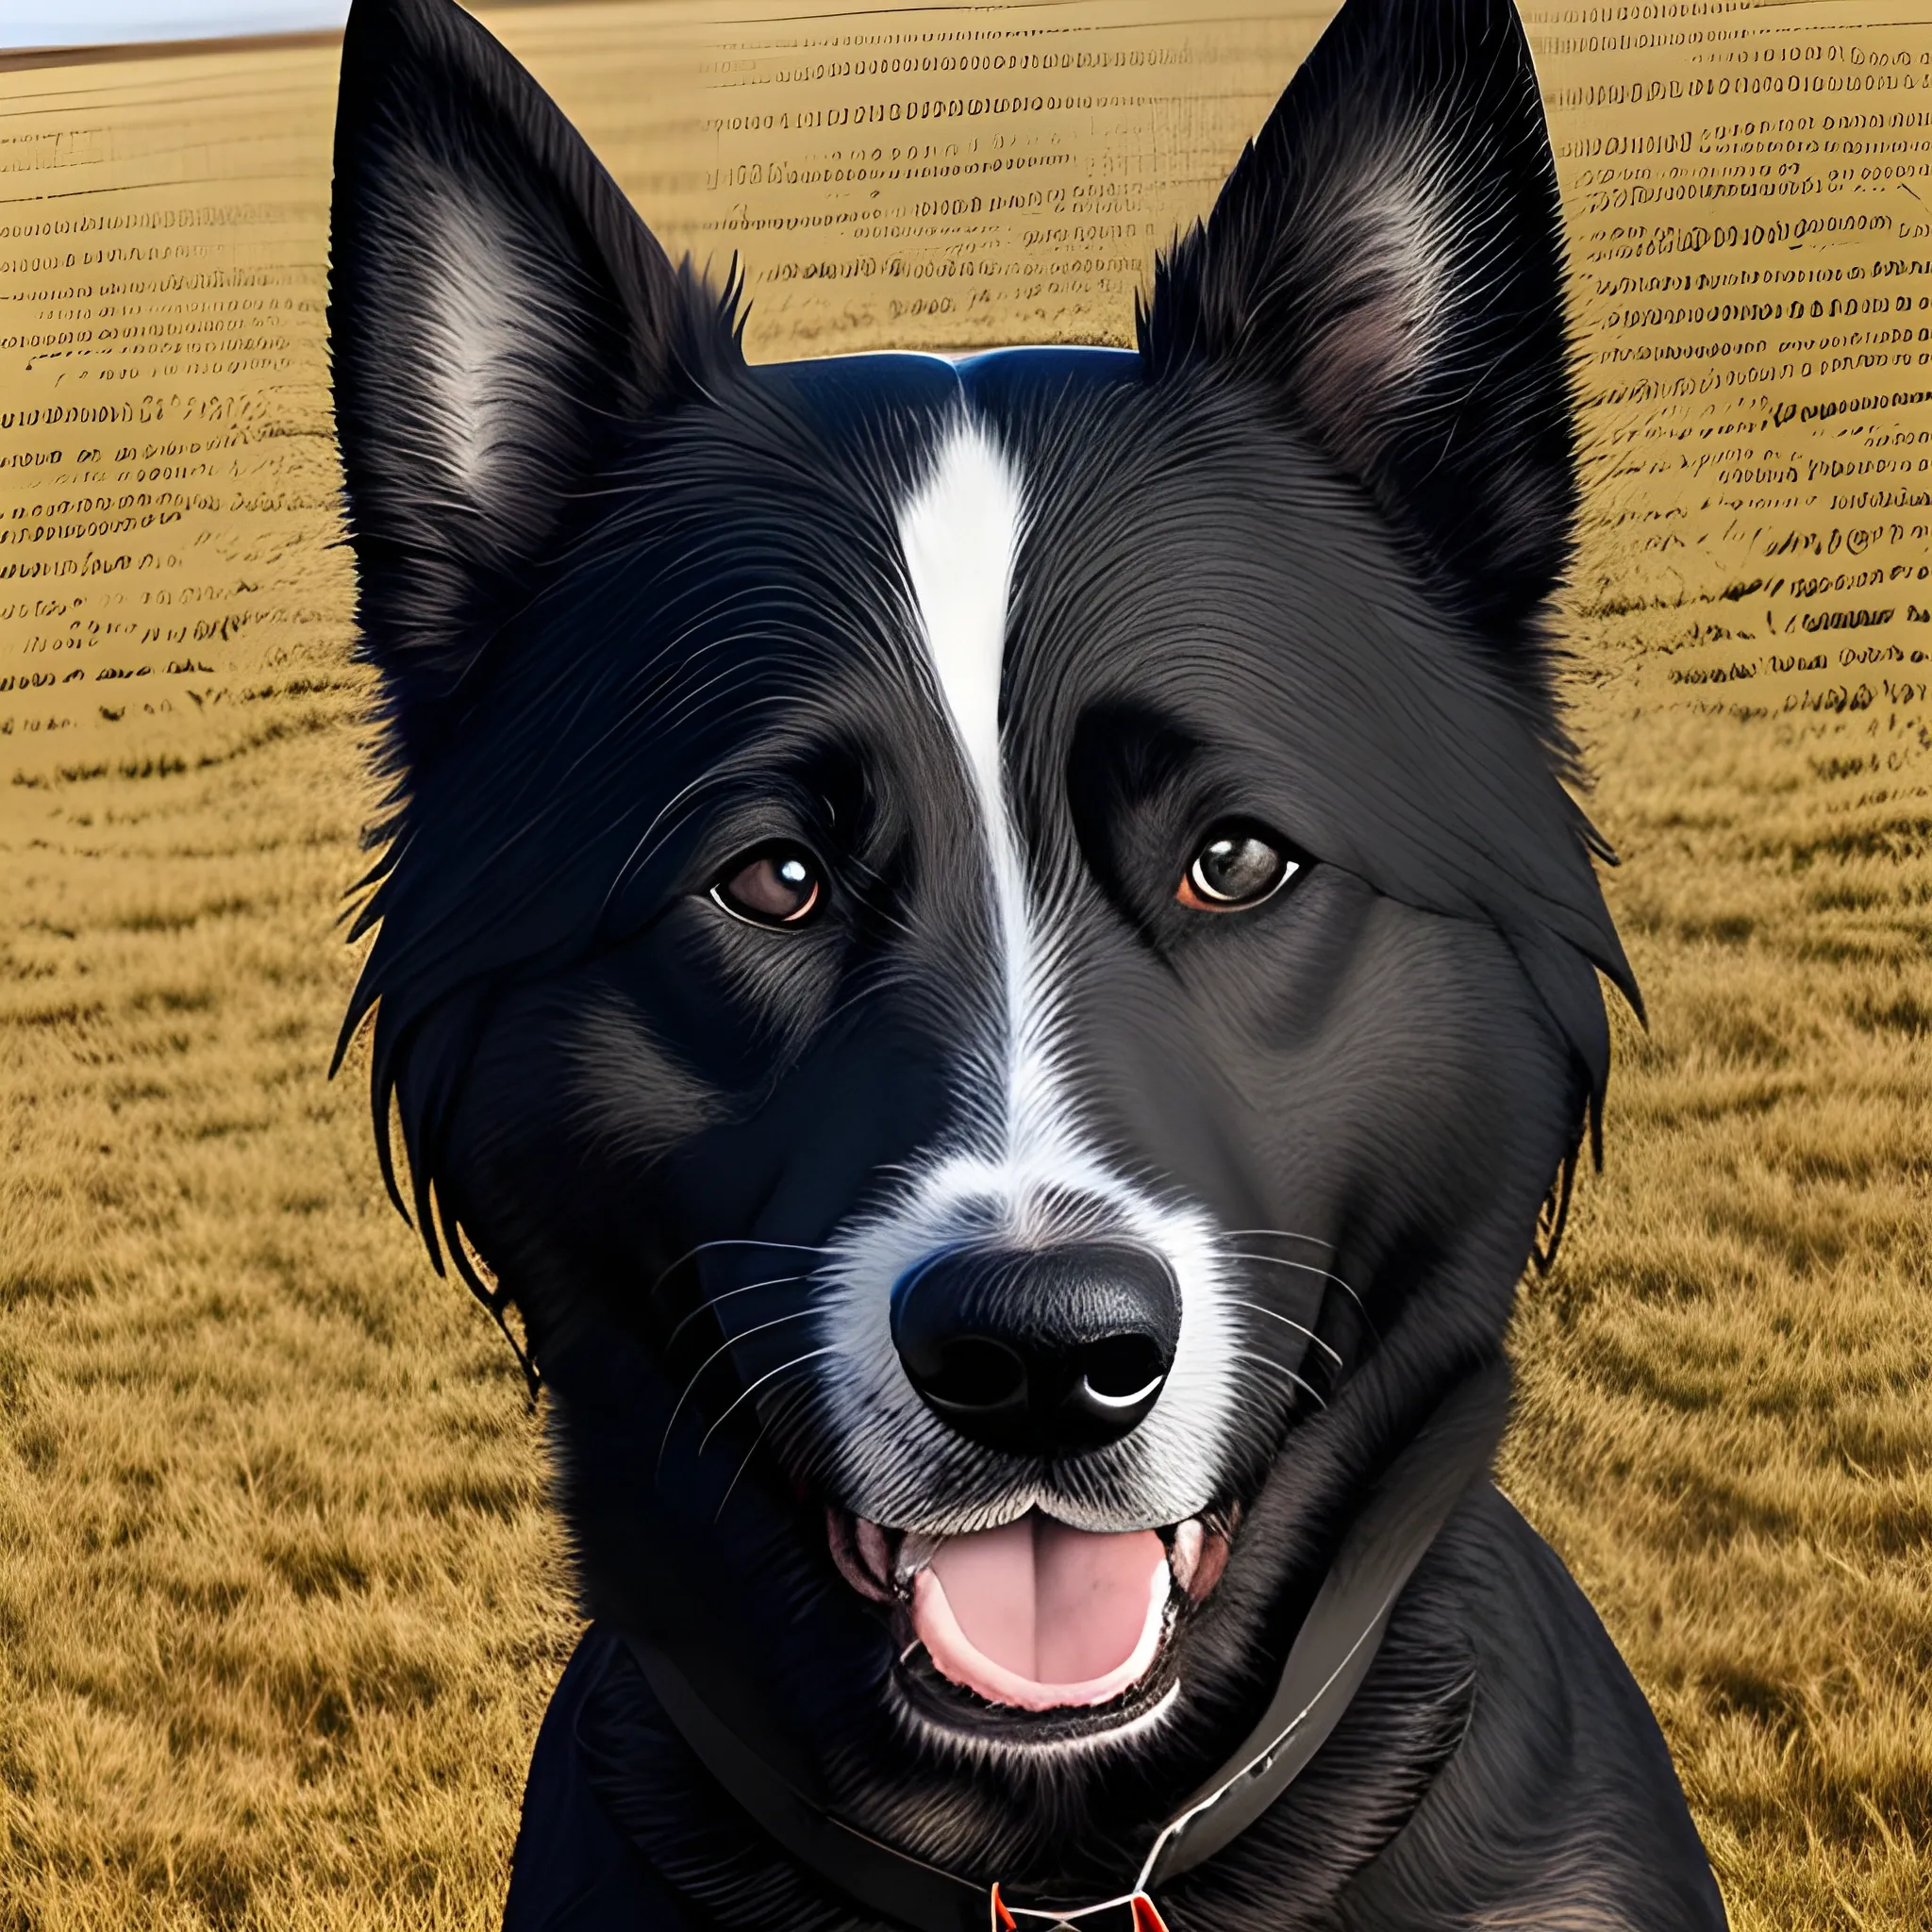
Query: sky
76	23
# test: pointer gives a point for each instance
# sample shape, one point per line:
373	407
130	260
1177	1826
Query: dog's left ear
499	321
1387	260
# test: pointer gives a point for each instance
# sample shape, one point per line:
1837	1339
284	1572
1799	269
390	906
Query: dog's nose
1045	1352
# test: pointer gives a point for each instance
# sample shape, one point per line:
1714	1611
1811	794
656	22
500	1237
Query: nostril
1122	1371
1055	1351
974	1373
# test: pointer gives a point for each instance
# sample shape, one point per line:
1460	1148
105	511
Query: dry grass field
281	1596
1726	1422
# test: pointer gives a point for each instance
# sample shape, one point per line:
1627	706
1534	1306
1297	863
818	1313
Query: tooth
916	1550
1208	1571
1186	1552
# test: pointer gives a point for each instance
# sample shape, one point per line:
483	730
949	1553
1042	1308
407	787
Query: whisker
752	1389
1308	1268
1282	1261
758	1443
1286	1234
1267	1362
735	1241
706	1306
725	1347
1298	1327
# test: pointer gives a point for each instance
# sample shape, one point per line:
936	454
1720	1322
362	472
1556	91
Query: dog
992	953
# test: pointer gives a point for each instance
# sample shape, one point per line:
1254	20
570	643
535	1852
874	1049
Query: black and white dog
993	954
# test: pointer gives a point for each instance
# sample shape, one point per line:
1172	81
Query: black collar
1329	1659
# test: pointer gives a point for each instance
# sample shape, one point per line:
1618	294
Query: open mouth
1035	1615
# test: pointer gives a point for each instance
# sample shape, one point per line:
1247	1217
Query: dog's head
991	950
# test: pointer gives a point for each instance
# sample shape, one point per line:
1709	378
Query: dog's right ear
499	318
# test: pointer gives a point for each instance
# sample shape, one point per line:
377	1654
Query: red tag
1140	1910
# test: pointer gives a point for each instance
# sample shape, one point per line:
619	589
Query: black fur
1447	397
640	610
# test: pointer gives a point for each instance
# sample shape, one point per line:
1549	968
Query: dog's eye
1236	868
777	885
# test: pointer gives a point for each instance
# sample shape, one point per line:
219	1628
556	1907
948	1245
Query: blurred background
89	22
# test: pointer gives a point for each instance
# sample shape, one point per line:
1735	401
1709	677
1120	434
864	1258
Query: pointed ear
499	318
1387	258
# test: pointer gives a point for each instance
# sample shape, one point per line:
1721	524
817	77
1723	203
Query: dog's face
991	949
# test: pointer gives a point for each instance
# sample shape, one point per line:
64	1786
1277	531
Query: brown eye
1233	870
778	886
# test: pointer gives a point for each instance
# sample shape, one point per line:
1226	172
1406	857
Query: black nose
1043	1354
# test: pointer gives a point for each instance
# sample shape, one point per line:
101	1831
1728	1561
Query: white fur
484	357
1015	1750
960	537
1024	1171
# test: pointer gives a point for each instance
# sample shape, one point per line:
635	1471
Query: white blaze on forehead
1024	1168
960	534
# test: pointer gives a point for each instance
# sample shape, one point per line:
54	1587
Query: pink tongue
1037	1614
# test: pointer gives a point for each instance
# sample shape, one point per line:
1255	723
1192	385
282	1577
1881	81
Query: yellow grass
1725	1424
280	1596
280	1599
